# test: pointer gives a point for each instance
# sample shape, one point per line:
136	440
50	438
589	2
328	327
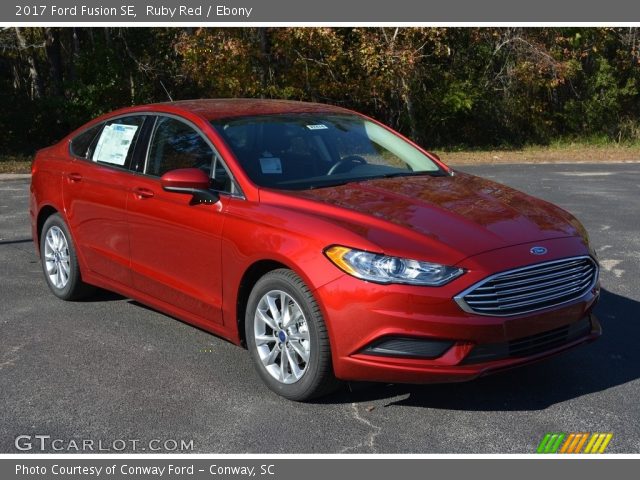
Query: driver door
175	246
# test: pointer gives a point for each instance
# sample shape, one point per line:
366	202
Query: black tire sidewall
303	388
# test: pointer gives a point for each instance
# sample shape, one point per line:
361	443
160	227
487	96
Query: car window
174	144
301	151
80	144
115	144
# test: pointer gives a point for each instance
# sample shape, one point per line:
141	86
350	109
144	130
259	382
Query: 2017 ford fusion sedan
329	245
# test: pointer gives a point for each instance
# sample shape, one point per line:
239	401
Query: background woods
444	87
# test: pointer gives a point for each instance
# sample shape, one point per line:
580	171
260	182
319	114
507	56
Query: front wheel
287	338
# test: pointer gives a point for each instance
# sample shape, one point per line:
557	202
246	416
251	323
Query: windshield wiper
346	181
334	184
434	173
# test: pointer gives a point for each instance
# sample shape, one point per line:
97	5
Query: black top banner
326	11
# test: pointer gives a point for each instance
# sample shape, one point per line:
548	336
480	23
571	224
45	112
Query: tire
290	350
59	261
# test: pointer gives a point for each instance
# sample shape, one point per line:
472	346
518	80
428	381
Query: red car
329	245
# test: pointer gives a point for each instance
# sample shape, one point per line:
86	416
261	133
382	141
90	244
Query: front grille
531	345
531	288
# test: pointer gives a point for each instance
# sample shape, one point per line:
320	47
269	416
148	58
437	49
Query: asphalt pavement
111	370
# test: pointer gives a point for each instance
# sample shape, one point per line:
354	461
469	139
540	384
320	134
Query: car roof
218	108
211	109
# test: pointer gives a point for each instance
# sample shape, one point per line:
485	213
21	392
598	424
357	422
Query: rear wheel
287	338
59	261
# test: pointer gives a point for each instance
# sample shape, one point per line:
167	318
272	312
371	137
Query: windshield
302	151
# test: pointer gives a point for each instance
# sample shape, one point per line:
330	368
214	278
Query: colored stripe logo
574	443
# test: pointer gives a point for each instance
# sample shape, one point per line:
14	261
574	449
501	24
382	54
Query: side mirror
192	181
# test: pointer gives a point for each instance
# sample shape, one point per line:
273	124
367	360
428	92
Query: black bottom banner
316	468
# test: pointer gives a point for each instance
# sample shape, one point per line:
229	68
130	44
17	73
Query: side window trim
140	153
235	188
152	137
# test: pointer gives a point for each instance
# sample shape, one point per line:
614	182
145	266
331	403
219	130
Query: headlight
384	269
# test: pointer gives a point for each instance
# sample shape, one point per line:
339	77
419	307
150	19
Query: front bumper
451	367
463	346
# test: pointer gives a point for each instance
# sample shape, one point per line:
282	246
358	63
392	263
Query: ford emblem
538	250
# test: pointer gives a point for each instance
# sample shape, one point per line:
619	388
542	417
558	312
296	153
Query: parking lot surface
110	369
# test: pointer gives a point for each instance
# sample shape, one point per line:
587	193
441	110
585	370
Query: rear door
95	194
175	246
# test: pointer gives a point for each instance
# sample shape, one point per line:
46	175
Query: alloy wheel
282	336
56	257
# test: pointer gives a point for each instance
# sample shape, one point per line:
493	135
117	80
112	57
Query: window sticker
271	165
114	143
317	127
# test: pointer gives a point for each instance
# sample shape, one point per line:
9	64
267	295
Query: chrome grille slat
497	283
531	288
530	302
528	295
577	276
537	269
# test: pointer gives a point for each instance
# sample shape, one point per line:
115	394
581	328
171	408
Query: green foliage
444	87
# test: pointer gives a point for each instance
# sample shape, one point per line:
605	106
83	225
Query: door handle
142	192
74	177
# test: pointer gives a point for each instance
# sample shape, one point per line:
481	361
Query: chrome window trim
146	151
459	298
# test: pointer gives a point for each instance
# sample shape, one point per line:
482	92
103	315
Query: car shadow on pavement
614	359
16	240
102	295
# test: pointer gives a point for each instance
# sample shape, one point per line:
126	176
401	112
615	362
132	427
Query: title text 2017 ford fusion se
328	244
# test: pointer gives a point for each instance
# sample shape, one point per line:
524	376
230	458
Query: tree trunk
132	88
408	103
36	83
54	57
263	39
75	45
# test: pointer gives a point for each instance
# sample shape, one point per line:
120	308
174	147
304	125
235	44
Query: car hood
463	212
